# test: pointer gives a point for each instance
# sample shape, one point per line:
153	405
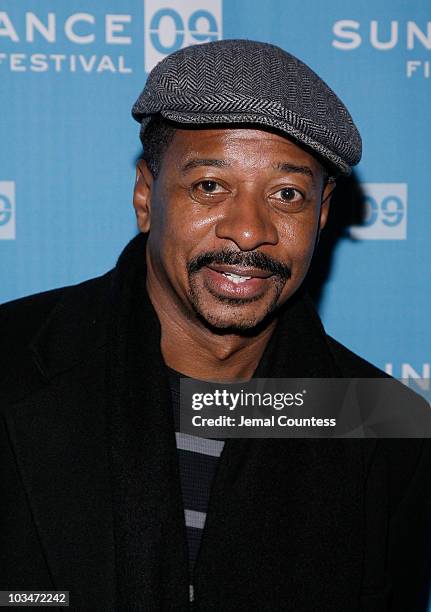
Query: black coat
90	497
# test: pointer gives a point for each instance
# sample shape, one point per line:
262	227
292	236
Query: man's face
233	216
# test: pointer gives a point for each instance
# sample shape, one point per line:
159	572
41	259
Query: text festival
79	29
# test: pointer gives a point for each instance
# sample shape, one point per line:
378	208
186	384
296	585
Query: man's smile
225	281
241	272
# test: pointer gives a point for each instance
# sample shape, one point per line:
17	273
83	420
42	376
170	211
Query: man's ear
142	195
325	204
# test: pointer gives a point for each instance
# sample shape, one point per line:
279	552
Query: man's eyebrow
196	163
288	167
221	163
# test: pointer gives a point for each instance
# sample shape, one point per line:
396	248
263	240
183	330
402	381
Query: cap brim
324	155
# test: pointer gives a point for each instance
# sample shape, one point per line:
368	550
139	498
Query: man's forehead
225	147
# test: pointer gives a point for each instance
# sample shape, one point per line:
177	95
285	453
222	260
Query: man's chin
225	322
234	315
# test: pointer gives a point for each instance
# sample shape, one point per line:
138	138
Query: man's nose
247	222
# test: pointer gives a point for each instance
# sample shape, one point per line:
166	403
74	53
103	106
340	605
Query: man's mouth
236	281
240	273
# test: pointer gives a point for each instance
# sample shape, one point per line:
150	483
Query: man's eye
289	194
208	186
208	191
289	198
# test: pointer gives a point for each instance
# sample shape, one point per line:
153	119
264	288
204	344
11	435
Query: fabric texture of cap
243	81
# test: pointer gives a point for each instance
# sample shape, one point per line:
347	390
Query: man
242	144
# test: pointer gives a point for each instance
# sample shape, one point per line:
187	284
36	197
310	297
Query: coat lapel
57	427
58	435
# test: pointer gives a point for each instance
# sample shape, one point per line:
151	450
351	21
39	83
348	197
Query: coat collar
78	324
75	327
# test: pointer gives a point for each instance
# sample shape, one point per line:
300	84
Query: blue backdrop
69	73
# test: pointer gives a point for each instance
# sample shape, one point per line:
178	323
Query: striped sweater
198	459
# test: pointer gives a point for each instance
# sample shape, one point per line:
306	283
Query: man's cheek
297	247
306	241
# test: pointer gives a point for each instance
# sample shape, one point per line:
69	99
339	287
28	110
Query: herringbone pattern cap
243	81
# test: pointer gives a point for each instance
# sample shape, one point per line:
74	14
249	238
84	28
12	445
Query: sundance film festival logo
385	212
385	36
7	210
87	42
173	24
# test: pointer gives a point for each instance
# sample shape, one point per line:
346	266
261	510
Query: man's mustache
252	259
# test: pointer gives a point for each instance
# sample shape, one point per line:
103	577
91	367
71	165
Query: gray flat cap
243	81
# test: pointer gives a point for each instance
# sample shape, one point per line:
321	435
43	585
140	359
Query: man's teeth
235	278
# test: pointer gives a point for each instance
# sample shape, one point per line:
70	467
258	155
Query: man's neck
209	356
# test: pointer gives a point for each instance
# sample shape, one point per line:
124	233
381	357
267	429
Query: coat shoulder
352	365
21	319
408	460
59	316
